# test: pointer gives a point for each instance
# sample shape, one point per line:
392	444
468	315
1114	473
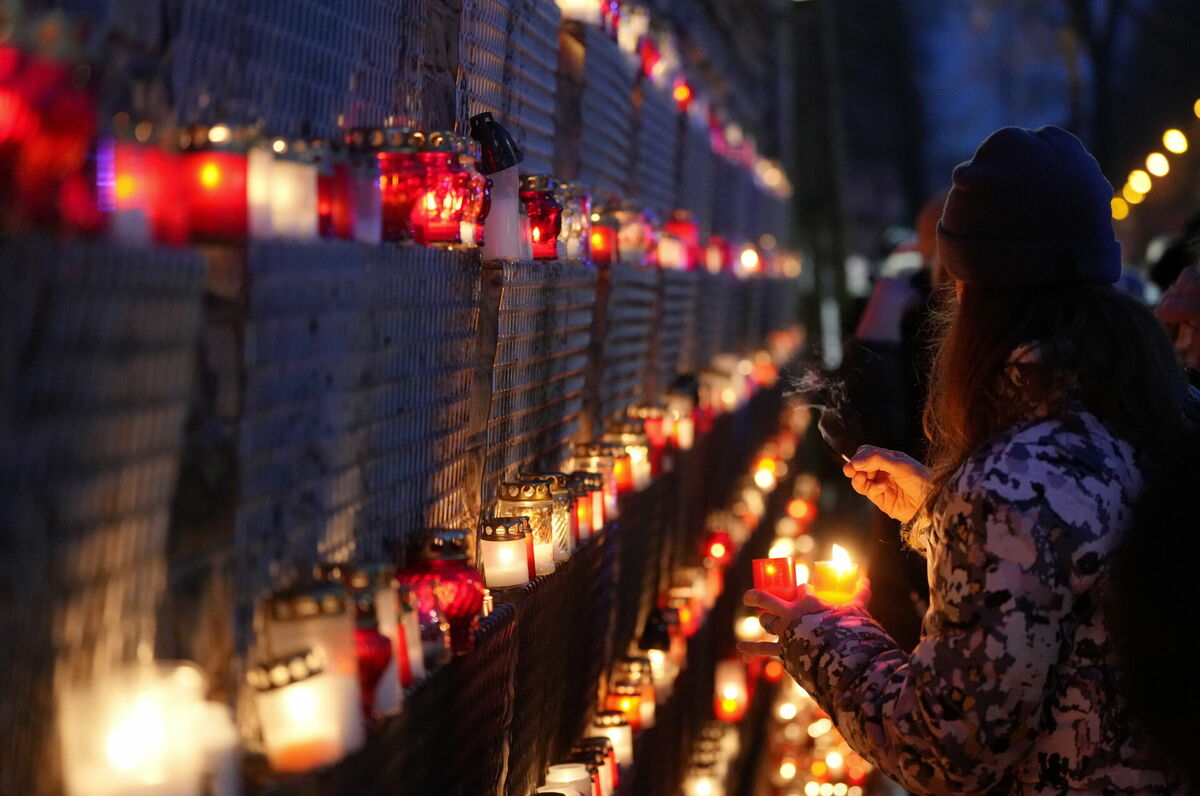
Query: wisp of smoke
827	395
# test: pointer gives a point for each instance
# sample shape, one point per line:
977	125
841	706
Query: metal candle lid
610	718
504	529
582	482
559	482
286	671
443	545
537	182
524	490
315	600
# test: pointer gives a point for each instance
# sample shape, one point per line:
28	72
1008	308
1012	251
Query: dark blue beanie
1031	207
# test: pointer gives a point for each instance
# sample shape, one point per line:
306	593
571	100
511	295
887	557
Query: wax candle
499	156
503	552
731	697
310	716
137	731
775	576
531	499
835	581
683	227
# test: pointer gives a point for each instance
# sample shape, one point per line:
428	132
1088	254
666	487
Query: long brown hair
1102	351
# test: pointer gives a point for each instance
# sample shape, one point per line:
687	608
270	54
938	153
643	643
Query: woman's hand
893	481
778	614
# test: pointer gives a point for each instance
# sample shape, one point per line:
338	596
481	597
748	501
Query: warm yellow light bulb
1131	196
1140	181
1120	208
1157	164
1175	141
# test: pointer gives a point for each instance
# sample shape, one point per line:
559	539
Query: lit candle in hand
835	581
775	576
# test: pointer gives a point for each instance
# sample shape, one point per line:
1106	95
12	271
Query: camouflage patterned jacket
1012	685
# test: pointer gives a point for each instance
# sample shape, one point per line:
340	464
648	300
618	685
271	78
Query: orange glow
801	509
819	769
125	186
682	94
210	175
773	671
770	569
717	550
766	464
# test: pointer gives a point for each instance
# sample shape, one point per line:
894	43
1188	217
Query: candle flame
210	175
841	559
505	554
137	741
730	693
717	550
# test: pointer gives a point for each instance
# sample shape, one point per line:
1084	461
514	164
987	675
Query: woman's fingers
759	648
756	598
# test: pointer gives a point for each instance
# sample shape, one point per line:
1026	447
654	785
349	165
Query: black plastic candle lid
498	149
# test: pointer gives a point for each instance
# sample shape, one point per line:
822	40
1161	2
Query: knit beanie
1030	208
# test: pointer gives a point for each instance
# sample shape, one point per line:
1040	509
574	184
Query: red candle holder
719	547
626	697
775	576
603	239
374	651
438	213
215	174
544	213
335	208
401	176
446	584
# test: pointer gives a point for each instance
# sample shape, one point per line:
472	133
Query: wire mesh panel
696	174
677	324
533	66
652	180
605	148
781	304
97	345
714	316
726	199
627	345
541	355
358	364
484	50
752	299
300	68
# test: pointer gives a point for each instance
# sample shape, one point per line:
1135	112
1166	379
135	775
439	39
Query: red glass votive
438	213
401	181
544	213
775	576
216	193
603	239
335	211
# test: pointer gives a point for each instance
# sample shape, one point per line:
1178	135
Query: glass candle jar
446	583
603	241
335	217
411	650
607	753
134	731
626	696
683	227
564	522
574	776
216	171
506	552
293	191
636	236
531	499
402	176
588	496
316	617
576	228
731	696
310	716
545	214
378	616
439	210
638	670
367	185
600	458
613	725
775	576
637	448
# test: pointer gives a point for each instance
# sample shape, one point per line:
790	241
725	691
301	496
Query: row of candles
639	683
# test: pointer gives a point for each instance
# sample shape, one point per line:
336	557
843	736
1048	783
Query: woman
1056	419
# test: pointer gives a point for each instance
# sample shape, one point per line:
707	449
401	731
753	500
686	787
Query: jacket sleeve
953	716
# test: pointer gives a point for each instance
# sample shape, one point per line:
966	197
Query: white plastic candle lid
567	772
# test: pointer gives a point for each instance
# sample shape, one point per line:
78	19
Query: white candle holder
310	716
531	499
137	732
570	775
504	552
315	617
613	725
